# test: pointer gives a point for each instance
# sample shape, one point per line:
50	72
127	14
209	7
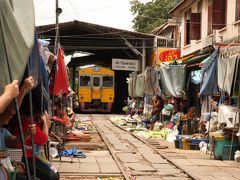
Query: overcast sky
112	13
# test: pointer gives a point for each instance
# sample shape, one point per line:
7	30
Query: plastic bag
237	156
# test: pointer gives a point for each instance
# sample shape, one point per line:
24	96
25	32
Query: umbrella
61	80
18	26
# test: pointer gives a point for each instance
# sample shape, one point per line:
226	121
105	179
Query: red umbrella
61	81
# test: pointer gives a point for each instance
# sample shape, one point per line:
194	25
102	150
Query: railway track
136	158
115	154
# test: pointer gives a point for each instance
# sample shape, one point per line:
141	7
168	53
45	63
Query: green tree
150	15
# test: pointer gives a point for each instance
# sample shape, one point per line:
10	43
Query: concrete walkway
199	164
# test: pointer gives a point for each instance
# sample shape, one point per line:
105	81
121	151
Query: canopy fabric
209	75
132	84
196	59
173	79
61	81
150	79
227	64
17	27
140	85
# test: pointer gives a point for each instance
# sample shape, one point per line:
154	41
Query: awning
196	59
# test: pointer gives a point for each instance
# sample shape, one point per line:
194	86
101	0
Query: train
96	89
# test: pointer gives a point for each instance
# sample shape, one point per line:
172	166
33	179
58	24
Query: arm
15	140
10	111
11	91
46	123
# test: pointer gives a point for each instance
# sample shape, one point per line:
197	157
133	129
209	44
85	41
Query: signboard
165	55
125	64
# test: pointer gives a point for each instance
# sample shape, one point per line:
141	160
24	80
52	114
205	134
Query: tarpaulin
226	68
34	63
173	79
17	26
61	81
209	75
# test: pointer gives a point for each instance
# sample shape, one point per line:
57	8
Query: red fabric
61	81
40	137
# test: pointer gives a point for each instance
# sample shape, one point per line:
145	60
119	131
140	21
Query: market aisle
136	158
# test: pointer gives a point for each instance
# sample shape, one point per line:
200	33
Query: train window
85	81
96	81
107	81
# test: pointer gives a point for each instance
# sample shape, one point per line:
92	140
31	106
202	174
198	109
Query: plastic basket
197	141
15	154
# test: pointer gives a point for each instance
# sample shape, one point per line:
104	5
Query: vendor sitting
157	108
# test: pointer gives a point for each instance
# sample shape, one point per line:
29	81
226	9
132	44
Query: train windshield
85	81
107	81
96	81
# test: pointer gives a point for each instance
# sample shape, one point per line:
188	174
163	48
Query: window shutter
237	10
219	14
195	26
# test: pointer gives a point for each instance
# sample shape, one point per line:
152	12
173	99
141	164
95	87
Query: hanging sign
165	55
125	64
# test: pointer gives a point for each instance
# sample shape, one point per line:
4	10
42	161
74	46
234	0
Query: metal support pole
143	56
57	28
32	136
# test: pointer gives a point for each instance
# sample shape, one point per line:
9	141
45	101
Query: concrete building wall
226	34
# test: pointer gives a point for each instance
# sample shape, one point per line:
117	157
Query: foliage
151	15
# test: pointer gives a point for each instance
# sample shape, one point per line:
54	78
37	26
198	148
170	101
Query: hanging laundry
209	75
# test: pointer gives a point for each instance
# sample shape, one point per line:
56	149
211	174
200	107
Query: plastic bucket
226	151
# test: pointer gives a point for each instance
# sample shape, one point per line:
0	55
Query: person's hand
32	129
12	89
28	84
45	119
